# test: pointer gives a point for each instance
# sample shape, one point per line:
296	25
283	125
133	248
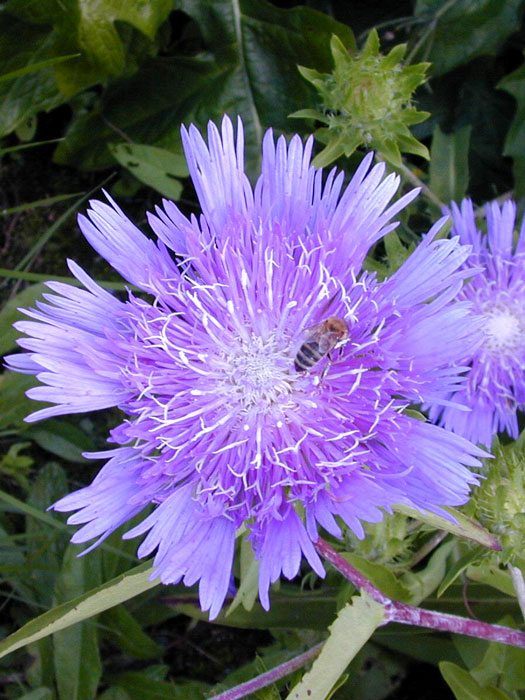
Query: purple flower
220	429
495	388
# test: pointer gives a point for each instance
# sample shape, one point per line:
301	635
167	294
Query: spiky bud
366	101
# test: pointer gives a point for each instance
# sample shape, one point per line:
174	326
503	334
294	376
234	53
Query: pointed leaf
449	164
459	524
465	687
78	667
352	628
156	167
83	607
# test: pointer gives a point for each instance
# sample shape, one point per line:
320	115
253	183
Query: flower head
495	388
222	428
366	100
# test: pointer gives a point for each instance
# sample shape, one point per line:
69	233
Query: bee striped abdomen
309	353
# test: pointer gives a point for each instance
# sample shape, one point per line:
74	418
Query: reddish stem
412	615
266	679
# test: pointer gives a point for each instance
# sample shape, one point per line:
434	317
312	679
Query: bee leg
327	367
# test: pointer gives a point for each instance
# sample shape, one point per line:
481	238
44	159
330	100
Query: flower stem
412	615
266	679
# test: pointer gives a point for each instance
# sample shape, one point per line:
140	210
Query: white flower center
258	373
505	330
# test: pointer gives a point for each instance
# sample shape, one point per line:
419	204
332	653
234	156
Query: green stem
425	190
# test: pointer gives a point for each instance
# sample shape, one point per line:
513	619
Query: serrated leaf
156	167
449	172
83	607
460	525
363	616
454	33
465	687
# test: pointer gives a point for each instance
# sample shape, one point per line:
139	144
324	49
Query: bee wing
327	342
318	334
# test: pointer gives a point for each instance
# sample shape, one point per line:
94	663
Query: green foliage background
93	93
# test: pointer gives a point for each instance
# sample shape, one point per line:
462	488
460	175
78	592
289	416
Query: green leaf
430	648
89	27
78	667
116	591
38	694
46	202
10	313
465	687
380	576
39	277
155	167
45	542
422	583
459	524
249	587
14	404
16	505
289	608
501	665
396	254
456	32
449	164
246	67
22	46
33	67
41	672
489	573
140	686
61	439
363	616
514	84
122	628
114	693
458	567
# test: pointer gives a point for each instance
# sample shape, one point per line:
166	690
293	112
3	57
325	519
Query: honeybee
320	340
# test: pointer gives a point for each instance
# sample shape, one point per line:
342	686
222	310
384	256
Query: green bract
366	101
500	501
